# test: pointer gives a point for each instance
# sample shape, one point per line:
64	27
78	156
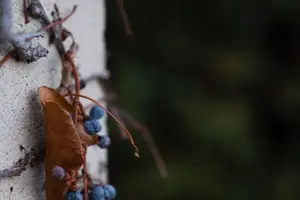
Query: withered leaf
63	143
47	95
63	147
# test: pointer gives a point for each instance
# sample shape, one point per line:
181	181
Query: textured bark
21	113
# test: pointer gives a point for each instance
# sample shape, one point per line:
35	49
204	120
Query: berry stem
49	26
112	115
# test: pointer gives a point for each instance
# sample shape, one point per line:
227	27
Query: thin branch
7	57
25	12
134	124
22	164
124	16
114	106
49	26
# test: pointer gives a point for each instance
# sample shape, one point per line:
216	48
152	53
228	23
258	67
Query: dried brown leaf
47	95
63	147
63	143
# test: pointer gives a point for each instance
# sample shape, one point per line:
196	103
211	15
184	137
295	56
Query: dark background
217	83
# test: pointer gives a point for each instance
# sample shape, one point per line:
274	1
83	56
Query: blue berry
73	195
92	126
96	112
103	142
82	84
109	191
96	193
58	172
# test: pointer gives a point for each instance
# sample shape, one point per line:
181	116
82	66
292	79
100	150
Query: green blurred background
217	83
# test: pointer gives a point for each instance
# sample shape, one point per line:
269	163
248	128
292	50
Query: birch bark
20	113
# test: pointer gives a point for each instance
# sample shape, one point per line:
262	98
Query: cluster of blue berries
74	195
92	126
103	192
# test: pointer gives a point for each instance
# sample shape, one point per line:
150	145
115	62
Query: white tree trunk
20	114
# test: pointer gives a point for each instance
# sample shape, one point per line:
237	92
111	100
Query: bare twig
114	106
25	11
134	124
56	31
24	51
122	11
36	10
22	164
49	26
6	58
67	69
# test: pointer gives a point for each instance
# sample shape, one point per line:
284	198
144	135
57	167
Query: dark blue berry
109	191
96	112
82	84
58	172
103	142
73	195
92	126
96	193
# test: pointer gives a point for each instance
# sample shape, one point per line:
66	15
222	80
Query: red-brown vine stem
49	26
112	115
25	12
77	86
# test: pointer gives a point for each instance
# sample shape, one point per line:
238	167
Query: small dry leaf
47	95
63	147
63	144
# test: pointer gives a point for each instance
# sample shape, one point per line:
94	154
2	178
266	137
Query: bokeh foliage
217	83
